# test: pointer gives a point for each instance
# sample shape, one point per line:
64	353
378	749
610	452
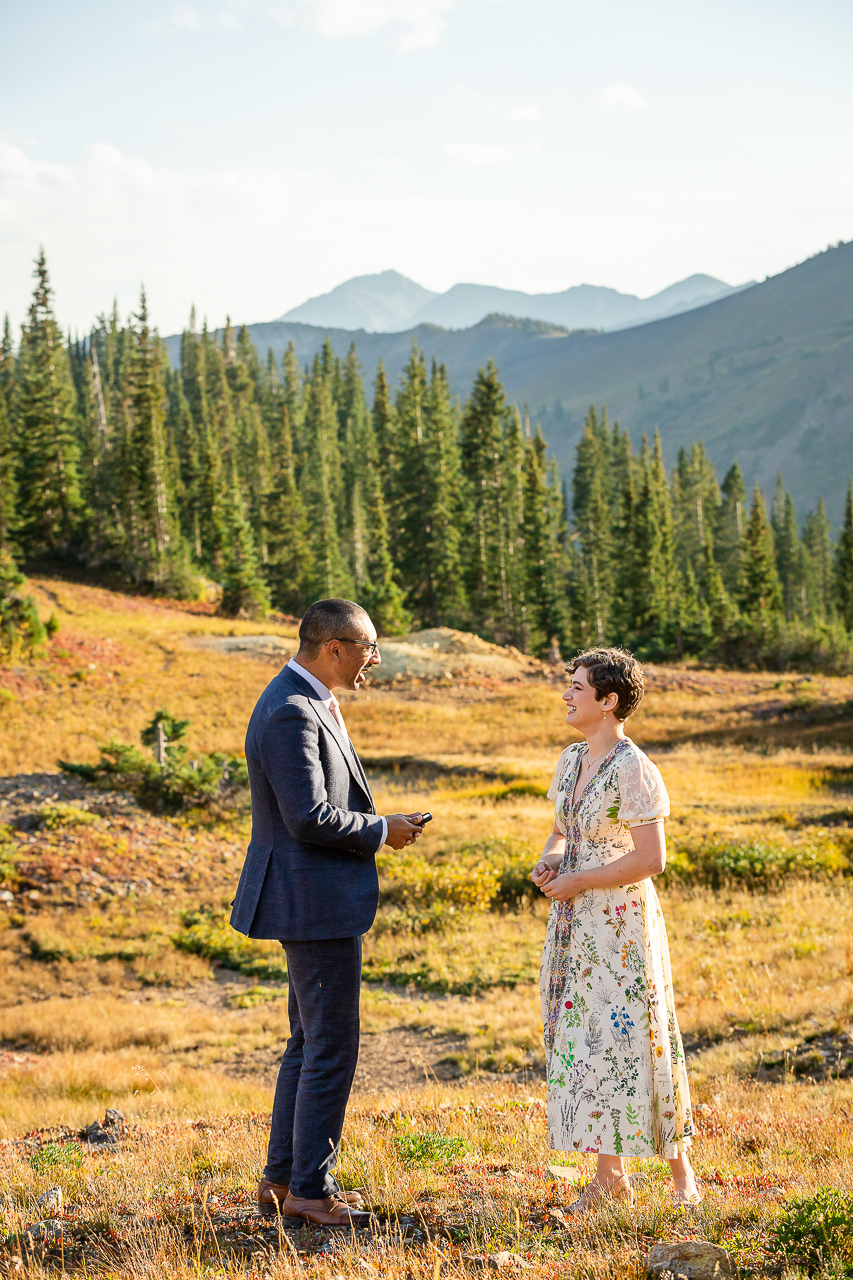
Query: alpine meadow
163	528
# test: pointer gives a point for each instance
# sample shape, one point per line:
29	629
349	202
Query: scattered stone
6	896
822	1056
51	1202
690	1260
46	1232
565	1172
503	1261
108	1134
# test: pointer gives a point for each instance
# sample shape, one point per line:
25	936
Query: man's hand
403	829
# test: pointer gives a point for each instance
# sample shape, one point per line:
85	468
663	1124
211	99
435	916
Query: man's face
353	654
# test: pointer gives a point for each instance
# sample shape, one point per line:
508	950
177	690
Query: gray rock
51	1202
503	1261
46	1232
690	1260
113	1118
6	896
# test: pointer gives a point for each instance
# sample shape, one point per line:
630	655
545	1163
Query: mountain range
389	302
764	376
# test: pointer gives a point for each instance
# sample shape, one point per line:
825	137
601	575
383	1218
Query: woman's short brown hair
612	671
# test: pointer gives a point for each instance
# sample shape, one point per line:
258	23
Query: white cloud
184	16
621	97
414	24
478	155
524	114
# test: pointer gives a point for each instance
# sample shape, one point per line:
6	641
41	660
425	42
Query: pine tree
482	449
21	629
651	586
729	527
384	426
156	554
244	592
695	499
443	597
790	558
286	527
327	573
817	541
844	563
49	502
8	487
546	570
7	361
759	592
593	515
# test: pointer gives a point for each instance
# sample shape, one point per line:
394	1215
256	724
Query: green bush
206	932
207	780
428	895
429	1148
815	1234
753	864
21	630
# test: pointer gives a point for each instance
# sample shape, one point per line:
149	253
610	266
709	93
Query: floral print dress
617	1081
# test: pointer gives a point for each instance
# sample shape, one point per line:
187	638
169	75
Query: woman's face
583	711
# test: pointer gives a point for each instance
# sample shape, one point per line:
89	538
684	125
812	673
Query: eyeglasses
365	644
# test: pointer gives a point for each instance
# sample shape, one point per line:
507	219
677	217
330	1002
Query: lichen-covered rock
690	1260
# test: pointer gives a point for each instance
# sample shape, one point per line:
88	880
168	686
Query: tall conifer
49	501
817	541
844	563
730	526
759	592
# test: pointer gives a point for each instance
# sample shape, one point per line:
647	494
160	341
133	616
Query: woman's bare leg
609	1169
683	1177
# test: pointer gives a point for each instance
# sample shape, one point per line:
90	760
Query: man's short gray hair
330	620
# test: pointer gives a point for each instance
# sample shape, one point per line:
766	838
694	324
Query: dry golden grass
104	1010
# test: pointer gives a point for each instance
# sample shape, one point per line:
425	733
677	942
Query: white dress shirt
329	701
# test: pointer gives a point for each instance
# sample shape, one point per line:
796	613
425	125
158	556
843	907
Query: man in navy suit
309	880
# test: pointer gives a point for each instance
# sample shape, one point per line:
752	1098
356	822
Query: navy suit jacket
310	870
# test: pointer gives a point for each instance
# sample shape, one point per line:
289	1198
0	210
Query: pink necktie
335	708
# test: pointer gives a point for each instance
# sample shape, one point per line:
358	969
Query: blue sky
244	156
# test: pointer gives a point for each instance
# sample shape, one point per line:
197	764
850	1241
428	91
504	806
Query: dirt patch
397	1059
828	1056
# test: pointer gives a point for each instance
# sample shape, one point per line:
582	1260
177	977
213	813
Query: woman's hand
563	888
542	873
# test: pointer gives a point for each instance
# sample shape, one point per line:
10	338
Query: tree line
284	484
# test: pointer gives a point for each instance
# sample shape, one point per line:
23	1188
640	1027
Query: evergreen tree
286	527
790	557
844	563
21	629
544	556
49	499
8	487
7	361
482	452
384	427
729	527
244	592
817	541
695	499
593	514
442	601
650	590
759	592
327	573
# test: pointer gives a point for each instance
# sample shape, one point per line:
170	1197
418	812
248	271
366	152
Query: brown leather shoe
271	1195
330	1212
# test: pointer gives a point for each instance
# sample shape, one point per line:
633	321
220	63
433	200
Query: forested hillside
763	376
284	483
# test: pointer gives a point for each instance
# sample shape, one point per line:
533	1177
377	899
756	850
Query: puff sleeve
642	794
562	763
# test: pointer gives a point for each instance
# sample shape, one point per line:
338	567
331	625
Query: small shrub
752	864
21	629
204	781
429	1148
55	1156
815	1234
58	816
206	932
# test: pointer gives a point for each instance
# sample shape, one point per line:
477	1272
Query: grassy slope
102	1010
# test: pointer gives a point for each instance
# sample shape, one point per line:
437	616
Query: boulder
46	1232
50	1202
690	1260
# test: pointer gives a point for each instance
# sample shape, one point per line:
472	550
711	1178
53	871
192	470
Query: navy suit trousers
318	1066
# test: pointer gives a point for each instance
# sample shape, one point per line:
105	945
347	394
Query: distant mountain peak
389	302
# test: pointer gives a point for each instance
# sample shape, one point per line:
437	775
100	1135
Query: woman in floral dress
617	1083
